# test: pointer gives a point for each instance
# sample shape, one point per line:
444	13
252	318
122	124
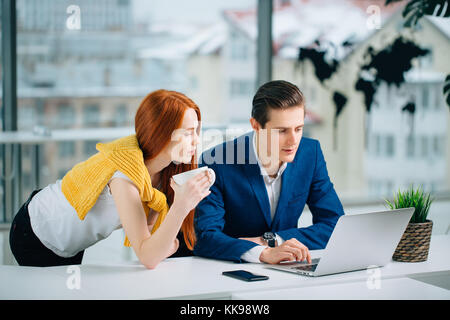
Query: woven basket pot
415	243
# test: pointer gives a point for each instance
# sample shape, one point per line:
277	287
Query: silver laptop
357	242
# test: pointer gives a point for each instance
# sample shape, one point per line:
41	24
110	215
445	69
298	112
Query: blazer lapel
253	173
287	185
259	188
291	180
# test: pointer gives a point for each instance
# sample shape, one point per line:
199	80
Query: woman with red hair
126	184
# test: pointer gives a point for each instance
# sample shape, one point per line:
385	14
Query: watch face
268	235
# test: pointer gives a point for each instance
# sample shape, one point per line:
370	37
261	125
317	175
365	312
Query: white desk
388	289
191	278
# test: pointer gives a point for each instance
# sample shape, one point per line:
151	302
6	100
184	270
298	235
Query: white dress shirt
273	187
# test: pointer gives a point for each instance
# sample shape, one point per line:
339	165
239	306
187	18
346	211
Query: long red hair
159	115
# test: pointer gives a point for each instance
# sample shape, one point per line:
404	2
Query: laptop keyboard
311	268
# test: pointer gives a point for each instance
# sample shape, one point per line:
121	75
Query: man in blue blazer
263	181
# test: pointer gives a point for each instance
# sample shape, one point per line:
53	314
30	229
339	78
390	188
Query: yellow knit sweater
83	184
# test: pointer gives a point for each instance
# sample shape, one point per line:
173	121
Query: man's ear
255	124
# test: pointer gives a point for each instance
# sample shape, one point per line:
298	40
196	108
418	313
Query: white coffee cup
183	177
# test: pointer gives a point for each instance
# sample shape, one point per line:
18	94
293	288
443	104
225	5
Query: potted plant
415	242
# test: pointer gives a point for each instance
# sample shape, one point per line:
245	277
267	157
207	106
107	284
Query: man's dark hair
276	94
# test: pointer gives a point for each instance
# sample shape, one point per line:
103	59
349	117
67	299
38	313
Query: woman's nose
195	140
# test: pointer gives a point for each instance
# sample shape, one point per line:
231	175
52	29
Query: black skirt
28	249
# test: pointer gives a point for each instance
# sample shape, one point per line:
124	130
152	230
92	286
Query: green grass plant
412	197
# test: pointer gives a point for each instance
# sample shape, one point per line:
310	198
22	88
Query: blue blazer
238	205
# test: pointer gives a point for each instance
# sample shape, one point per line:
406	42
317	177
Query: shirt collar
263	170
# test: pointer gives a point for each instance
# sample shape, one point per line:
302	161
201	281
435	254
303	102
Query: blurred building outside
97	76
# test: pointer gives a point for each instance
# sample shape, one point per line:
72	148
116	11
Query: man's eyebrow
302	125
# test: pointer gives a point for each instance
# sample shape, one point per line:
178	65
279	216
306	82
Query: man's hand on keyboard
290	250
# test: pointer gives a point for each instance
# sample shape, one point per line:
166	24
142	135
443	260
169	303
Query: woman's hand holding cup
191	187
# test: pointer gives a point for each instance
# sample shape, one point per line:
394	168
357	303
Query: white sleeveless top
56	223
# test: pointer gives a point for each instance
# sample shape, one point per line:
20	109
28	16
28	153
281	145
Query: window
438	97
66	116
425	97
389	95
91	68
89	148
240	87
438	146
62	173
3	216
91	115
410	146
239	46
424	146
67	79
193	83
389	187
377	145
427	60
312	95
385	128
390	147
375	187
66	149
121	116
27	115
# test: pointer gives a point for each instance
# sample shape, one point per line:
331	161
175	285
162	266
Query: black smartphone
244	275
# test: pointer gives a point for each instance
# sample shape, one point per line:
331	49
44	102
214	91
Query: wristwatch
270	238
